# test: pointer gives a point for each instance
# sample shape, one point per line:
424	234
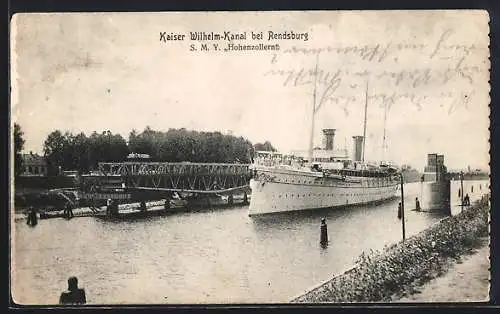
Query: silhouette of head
72	283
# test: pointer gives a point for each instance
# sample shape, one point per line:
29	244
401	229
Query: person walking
417	204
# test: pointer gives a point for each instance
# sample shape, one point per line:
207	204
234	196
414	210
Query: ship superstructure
320	178
289	182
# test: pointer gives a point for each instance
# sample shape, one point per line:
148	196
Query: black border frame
493	8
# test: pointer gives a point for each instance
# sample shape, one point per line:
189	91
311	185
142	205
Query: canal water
214	256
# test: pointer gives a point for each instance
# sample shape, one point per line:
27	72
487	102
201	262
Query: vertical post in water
364	127
402	208
324	233
422	178
462	189
245	198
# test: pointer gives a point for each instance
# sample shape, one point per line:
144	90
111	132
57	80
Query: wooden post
245	198
402	208
323	233
462	189
422	189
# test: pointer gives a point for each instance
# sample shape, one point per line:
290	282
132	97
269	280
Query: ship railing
277	162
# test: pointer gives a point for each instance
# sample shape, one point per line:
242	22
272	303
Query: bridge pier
245	198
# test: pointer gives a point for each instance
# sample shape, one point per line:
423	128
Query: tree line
18	147
68	151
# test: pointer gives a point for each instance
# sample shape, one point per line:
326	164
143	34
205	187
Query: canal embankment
153	207
400	269
86	211
467	280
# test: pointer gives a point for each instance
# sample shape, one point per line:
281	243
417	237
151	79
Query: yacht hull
283	191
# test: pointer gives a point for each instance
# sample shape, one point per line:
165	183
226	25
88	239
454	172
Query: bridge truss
182	176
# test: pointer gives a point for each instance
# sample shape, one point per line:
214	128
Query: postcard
249	157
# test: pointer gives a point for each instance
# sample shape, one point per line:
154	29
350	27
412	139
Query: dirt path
467	281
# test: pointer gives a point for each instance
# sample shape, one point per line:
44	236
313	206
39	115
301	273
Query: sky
110	71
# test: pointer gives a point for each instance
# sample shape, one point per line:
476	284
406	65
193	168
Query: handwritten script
442	71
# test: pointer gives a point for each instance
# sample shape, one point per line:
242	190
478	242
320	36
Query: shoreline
379	275
466	280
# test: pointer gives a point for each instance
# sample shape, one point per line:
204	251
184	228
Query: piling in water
324	232
32	218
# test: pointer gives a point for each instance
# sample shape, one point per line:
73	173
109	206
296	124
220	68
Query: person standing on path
73	295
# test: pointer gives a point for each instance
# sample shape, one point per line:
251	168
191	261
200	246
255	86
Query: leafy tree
177	145
18	147
266	146
82	153
54	148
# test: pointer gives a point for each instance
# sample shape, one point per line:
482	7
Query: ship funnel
328	137
358	147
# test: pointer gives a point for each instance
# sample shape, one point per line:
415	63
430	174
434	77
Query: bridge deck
180	176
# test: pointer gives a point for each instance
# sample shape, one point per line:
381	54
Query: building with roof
33	165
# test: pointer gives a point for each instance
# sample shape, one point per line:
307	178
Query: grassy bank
379	276
465	281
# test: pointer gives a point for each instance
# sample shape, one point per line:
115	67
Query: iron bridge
205	178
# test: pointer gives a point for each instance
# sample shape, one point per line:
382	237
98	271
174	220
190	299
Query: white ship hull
285	190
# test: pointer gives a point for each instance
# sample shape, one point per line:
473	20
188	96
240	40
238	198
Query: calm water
217	256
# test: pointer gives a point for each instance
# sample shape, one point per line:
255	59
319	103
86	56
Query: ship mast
311	137
364	127
383	138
